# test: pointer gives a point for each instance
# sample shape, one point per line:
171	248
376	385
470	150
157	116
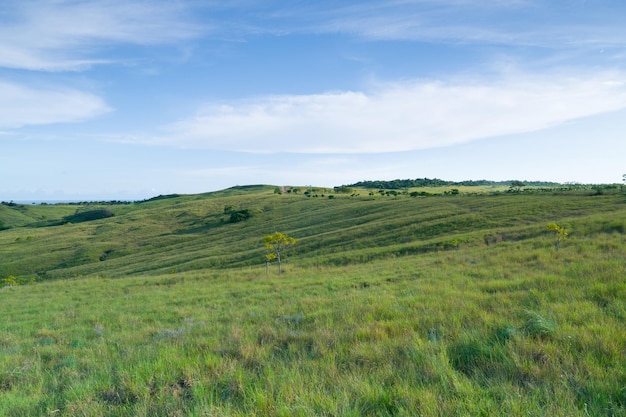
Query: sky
118	99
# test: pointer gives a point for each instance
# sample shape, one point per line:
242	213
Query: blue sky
117	99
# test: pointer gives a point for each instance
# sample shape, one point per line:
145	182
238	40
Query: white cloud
21	106
398	117
54	35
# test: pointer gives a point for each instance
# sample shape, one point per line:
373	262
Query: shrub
9	281
344	190
237	216
87	216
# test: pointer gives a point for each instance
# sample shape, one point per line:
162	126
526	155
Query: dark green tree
517	186
237	216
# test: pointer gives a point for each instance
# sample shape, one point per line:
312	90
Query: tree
517	186
237	216
276	244
561	234
344	190
269	257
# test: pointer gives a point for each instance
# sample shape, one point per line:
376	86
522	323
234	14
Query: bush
237	216
9	281
344	190
87	216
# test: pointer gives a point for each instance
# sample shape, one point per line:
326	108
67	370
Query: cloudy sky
117	99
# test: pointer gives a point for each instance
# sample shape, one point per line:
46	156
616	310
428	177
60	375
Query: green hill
195	232
389	305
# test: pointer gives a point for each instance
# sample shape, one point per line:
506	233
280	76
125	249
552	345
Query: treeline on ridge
436	182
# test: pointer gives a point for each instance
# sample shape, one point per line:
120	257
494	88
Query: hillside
389	305
195	232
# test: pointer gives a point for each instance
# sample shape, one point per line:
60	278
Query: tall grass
192	233
438	306
513	328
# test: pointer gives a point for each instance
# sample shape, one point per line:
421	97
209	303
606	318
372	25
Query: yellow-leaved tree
561	234
276	244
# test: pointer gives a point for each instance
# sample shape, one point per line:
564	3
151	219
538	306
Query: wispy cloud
21	105
62	35
397	117
54	35
506	22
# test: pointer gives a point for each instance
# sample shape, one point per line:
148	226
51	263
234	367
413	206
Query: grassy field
454	305
193	232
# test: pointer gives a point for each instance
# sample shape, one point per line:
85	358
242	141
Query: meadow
455	305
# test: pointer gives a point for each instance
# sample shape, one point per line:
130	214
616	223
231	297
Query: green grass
477	331
188	233
377	314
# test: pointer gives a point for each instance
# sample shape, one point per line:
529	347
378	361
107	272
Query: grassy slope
510	329
505	325
191	232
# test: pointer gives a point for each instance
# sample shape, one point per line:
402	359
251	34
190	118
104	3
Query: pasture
449	305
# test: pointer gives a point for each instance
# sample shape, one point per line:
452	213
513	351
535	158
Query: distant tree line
92	203
73	203
158	197
436	182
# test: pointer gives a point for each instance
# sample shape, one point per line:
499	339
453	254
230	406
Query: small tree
276	244
237	216
561	234
516	186
269	258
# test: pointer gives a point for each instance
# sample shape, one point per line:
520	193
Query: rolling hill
452	304
195	232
